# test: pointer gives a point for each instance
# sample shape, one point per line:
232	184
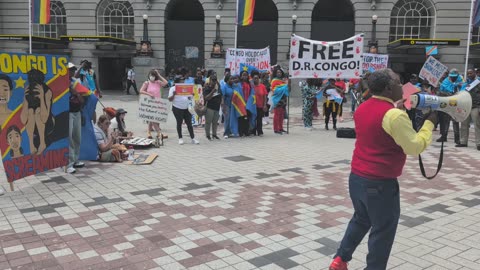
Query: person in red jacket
384	137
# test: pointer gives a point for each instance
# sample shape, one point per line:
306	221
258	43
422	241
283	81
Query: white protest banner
259	59
321	59
432	71
153	109
372	62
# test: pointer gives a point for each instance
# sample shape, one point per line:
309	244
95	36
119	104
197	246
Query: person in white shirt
131	80
180	111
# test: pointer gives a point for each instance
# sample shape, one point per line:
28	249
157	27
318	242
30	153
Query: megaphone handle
440	163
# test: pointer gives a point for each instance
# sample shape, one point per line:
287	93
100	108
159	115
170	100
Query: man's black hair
4	77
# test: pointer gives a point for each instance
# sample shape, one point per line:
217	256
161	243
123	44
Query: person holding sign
333	101
180	103
152	88
384	137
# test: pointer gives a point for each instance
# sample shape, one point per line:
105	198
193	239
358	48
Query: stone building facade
183	32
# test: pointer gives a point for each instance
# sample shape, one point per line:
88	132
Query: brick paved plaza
277	202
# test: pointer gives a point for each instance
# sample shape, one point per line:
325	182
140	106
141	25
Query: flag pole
236	39
30	26
469	39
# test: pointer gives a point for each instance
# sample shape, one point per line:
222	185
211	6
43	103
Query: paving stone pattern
277	202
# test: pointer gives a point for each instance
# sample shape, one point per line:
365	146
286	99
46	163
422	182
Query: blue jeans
354	100
377	207
226	121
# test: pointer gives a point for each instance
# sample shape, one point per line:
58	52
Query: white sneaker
180	141
225	137
71	170
2	192
195	141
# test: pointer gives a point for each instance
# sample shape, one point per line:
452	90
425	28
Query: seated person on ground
107	151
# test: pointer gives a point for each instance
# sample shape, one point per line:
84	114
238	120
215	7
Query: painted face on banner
5	92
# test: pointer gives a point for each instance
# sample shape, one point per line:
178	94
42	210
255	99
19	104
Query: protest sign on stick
321	59
373	62
153	109
259	59
432	71
34	114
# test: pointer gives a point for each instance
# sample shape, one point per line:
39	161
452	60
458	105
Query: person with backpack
152	88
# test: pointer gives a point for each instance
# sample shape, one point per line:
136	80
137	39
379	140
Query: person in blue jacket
449	87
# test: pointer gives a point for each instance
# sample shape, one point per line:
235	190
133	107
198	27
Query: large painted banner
321	59
34	113
259	59
432	71
373	62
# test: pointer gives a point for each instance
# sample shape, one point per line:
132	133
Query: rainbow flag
245	12
41	11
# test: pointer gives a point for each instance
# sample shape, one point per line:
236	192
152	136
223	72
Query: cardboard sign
142	159
34	113
259	59
432	71
408	90
373	62
153	109
184	89
320	59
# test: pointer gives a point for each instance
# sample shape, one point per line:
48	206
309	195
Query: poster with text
259	59
321	59
34	113
432	71
373	62
153	109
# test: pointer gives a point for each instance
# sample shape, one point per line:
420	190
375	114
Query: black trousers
129	84
332	109
444	120
258	130
243	126
183	115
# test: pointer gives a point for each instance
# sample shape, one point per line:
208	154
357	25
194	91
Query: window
115	19
475	35
412	19
58	22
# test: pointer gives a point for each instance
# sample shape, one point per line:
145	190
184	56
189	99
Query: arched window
115	19
412	19
58	22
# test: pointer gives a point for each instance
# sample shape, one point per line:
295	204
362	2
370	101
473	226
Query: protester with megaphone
384	137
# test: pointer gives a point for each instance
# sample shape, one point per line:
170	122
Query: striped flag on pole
41	11
245	12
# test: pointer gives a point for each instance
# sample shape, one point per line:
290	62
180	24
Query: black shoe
326	127
209	138
279	132
478	147
441	139
216	137
461	145
283	130
334	127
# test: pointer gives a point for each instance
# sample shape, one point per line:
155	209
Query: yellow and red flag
245	12
41	11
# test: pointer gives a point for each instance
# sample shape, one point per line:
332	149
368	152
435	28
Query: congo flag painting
34	113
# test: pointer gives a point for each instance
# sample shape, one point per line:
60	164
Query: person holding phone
213	97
